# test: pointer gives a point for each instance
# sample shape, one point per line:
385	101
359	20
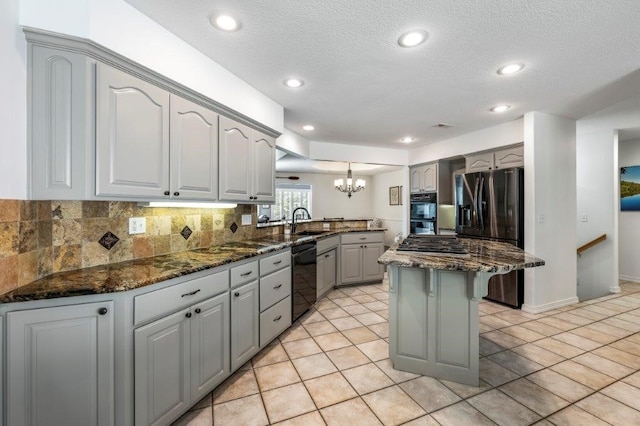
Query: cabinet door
264	168
194	151
479	162
61	113
430	177
161	366
235	161
371	269
132	131
512	157
416	179
209	345
351	263
321	279
60	366
330	270
245	338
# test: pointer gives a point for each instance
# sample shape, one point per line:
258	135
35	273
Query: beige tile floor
578	365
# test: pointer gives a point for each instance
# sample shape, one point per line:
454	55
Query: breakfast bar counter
433	304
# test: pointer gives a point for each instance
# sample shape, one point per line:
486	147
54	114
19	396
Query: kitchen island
433	305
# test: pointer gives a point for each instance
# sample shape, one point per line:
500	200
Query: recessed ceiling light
412	38
225	23
294	83
308	127
407	139
510	69
500	108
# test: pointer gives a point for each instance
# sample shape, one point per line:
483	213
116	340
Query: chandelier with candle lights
349	188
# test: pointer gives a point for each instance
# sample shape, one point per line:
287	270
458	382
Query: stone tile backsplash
38	238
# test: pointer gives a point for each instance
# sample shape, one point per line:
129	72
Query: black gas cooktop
437	244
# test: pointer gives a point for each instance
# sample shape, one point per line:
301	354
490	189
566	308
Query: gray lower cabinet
245	323
179	359
359	263
326	266
433	323
60	366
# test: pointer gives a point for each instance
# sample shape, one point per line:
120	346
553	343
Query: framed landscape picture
630	188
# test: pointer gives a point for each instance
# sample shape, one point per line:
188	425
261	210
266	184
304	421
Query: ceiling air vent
442	125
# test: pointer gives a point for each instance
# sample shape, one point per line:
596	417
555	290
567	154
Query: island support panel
433	322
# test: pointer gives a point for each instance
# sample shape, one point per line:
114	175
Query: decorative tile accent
108	240
186	232
233	227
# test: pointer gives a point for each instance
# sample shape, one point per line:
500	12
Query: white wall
392	217
598	193
357	153
122	28
293	143
628	222
13	108
327	202
550	190
489	138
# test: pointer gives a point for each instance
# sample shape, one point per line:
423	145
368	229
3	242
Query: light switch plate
585	217
246	219
137	225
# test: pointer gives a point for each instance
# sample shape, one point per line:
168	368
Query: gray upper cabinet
264	168
194	150
424	178
103	127
501	159
151	144
235	161
60	123
60	366
132	136
247	164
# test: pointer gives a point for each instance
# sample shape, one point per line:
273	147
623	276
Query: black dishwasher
303	280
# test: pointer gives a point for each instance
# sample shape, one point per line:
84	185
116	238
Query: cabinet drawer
274	287
275	262
162	302
244	273
275	320
328	243
362	237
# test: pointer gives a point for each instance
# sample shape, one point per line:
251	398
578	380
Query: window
288	197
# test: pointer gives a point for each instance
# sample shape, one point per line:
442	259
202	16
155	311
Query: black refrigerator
490	205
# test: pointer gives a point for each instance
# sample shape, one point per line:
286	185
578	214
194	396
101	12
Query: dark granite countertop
484	256
138	273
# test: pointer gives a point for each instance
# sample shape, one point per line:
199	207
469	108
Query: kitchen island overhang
433	306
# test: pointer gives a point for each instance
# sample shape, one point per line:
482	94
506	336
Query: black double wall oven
423	213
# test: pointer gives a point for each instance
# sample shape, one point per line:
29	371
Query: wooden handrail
591	243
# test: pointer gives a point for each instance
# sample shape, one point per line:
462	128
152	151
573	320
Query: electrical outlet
540	217
326	226
246	219
137	225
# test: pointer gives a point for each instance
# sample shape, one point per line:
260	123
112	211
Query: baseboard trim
549	306
629	278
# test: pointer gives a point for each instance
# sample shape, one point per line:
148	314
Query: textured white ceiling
362	88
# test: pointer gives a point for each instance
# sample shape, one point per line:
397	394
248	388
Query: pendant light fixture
349	188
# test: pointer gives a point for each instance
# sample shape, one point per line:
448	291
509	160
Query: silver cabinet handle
277	287
190	294
278	318
246	273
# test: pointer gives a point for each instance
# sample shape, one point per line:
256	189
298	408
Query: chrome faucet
293	218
